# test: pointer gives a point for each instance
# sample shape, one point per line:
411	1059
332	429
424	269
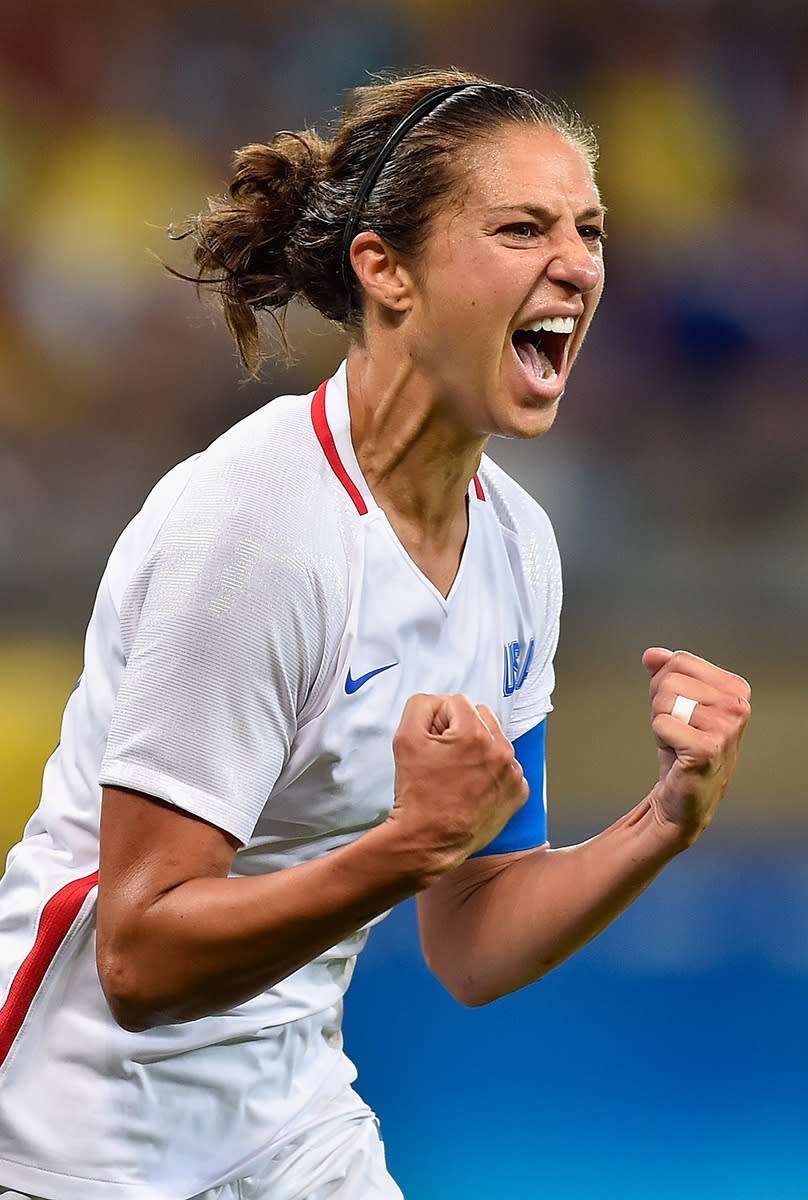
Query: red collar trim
326	439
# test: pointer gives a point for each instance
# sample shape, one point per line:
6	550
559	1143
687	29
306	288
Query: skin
526	242
434	375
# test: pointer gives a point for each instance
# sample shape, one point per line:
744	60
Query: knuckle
478	736
713	748
402	738
741	685
504	756
731	714
736	686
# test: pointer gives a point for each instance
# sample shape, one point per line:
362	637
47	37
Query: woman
317	677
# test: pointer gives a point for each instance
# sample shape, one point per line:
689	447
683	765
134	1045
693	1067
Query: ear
380	271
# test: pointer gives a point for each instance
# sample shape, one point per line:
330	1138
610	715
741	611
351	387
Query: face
508	282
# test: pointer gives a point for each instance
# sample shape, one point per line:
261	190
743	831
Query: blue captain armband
527	828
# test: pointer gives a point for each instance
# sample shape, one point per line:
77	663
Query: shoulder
263	483
264	470
268	475
521	518
253	515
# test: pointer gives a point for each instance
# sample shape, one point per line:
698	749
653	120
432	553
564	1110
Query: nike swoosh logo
353	685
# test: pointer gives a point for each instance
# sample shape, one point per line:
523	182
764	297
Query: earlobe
380	271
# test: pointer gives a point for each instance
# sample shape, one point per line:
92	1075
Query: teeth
551	325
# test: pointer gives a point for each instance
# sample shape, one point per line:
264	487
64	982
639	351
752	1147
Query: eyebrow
545	214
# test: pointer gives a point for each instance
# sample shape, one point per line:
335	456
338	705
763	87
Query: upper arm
147	848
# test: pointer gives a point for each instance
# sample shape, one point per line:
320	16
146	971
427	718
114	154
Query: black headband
424	106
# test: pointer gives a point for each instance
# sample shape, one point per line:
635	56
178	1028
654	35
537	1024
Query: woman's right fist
457	782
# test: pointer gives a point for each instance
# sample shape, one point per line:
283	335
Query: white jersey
256	635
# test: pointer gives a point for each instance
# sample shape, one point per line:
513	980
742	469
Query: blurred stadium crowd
687	413
676	475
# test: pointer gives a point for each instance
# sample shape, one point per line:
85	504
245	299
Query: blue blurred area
667	1059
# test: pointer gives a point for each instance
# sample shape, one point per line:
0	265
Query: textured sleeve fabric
536	568
223	627
543	572
533	549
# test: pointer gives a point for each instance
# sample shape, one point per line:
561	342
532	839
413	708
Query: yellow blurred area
668	156
88	205
98	191
36	677
19	138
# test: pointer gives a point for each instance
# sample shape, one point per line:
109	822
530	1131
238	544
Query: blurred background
668	1058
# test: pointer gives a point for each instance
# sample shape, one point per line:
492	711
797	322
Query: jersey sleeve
533	699
534	541
223	633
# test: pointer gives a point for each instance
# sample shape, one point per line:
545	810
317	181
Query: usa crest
517	665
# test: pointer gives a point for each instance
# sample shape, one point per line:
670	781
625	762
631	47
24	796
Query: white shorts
339	1158
328	1162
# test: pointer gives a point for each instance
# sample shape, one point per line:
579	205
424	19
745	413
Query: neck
416	461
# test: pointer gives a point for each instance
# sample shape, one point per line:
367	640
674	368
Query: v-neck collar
331	418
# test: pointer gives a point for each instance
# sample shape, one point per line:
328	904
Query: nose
576	263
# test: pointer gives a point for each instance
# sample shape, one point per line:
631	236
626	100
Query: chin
531	421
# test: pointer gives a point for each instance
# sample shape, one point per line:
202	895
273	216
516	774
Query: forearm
207	944
494	925
178	938
500	923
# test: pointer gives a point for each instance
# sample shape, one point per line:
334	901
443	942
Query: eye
592	233
522	230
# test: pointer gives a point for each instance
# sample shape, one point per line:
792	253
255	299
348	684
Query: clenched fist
698	749
457	779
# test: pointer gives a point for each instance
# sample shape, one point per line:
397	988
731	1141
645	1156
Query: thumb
655	658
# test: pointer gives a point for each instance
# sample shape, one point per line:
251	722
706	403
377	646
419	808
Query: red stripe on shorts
326	440
54	925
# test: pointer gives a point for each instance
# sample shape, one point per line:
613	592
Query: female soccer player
317	676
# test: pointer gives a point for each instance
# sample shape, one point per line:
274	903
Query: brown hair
278	232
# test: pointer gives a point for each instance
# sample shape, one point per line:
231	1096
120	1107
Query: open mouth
542	345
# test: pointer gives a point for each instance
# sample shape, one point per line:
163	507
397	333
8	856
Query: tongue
534	358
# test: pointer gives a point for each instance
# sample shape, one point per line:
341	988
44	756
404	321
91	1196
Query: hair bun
280	173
